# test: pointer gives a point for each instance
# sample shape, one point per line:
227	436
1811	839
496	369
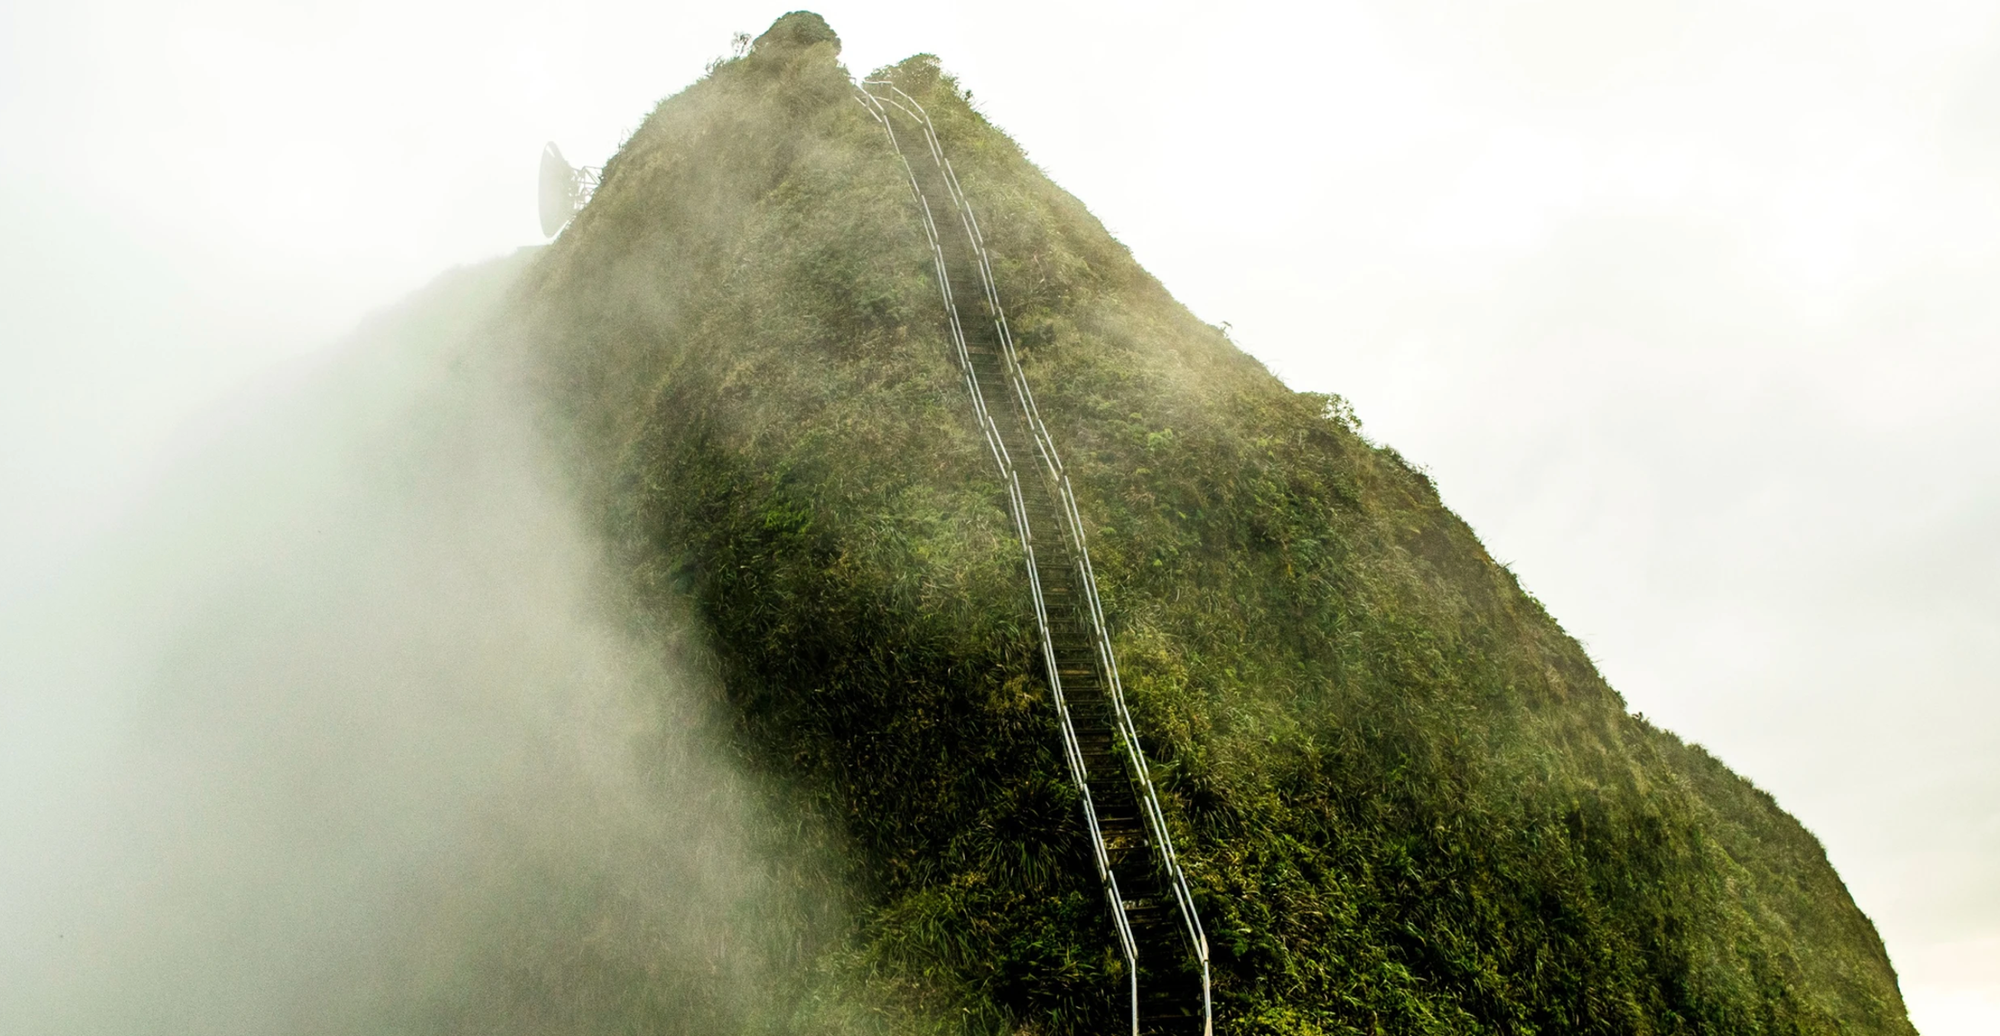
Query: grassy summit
1407	800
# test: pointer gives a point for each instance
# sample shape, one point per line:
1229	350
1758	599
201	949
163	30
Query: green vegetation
1407	800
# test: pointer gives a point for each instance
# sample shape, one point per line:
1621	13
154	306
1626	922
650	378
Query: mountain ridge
1405	797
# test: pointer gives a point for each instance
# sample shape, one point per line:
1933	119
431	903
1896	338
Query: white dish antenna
564	188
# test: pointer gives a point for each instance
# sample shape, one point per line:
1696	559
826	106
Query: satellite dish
564	189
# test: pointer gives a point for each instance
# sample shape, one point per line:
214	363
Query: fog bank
345	731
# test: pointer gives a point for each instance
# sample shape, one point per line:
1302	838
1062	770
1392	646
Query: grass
1407	800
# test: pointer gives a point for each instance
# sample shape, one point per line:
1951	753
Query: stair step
1171	1002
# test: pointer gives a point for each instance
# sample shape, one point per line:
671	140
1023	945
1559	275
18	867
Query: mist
345	729
1686	307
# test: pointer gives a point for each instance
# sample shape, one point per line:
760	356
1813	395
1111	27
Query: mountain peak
1403	797
797	31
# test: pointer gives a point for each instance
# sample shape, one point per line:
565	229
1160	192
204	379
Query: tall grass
1406	799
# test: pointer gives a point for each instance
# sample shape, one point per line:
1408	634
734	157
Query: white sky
1690	308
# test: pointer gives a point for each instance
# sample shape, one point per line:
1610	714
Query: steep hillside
1406	799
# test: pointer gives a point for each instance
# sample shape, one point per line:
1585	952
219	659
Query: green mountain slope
1406	799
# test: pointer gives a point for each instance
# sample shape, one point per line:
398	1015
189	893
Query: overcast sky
1690	309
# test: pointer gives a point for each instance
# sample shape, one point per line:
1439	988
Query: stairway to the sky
1151	908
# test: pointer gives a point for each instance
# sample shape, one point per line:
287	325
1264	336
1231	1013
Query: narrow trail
1151	907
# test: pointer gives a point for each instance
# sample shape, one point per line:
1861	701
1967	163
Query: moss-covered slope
1407	800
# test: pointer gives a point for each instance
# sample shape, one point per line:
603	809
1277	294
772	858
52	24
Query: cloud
346	731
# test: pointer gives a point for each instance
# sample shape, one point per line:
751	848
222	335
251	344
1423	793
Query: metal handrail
1072	523
1072	746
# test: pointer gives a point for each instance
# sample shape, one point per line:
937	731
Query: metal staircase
1152	909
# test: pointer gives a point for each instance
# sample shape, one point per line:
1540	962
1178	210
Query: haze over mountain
1913	889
